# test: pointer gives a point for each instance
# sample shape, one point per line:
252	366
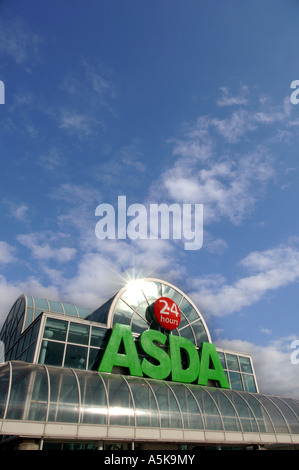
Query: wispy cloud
19	43
271	362
18	211
7	253
271	269
42	246
228	99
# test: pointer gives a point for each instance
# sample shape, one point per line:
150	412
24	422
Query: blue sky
160	101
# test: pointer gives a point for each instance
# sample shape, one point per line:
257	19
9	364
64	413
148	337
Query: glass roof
39	393
130	306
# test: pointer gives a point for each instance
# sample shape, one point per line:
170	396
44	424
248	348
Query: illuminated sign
164	359
167	313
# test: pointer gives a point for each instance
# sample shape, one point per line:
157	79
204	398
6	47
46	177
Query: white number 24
173	309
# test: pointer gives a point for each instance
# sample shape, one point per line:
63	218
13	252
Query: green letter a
209	355
112	357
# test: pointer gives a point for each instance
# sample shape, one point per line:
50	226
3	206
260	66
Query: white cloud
18	211
228	188
7	253
17	42
41	246
273	269
51	160
275	372
227	99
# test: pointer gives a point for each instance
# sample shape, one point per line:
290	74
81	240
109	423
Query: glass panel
99	337
260	414
30	353
247	419
152	290
64	400
169	410
276	416
235	381
249	383
191	414
23	389
133	296
227	411
51	353
200	332
75	356
41	304
29	317
55	329
70	310
209	410
38	395
289	415
232	362
187	333
141	309
122	313
294	405
93	399
78	333
145	404
121	411
95	356
83	312
55	306
188	310
29	301
222	360
138	324
173	294
245	364
4	383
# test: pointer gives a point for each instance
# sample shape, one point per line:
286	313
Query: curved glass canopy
130	305
35	393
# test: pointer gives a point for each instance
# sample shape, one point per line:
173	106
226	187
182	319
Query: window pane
145	404
99	337
249	383
78	333
55	306
245	364
200	332
171	293
222	360
93	399
64	399
42	304
55	329
188	310
232	362
169	410
75	356
152	290
51	353
235	381
95	356
70	310
122	313
209	410
121	411
4	382
133	296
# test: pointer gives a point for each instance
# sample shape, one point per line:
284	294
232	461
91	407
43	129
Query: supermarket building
138	373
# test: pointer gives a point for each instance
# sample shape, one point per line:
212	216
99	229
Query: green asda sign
160	364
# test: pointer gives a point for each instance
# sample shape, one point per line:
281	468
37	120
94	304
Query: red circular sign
167	313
